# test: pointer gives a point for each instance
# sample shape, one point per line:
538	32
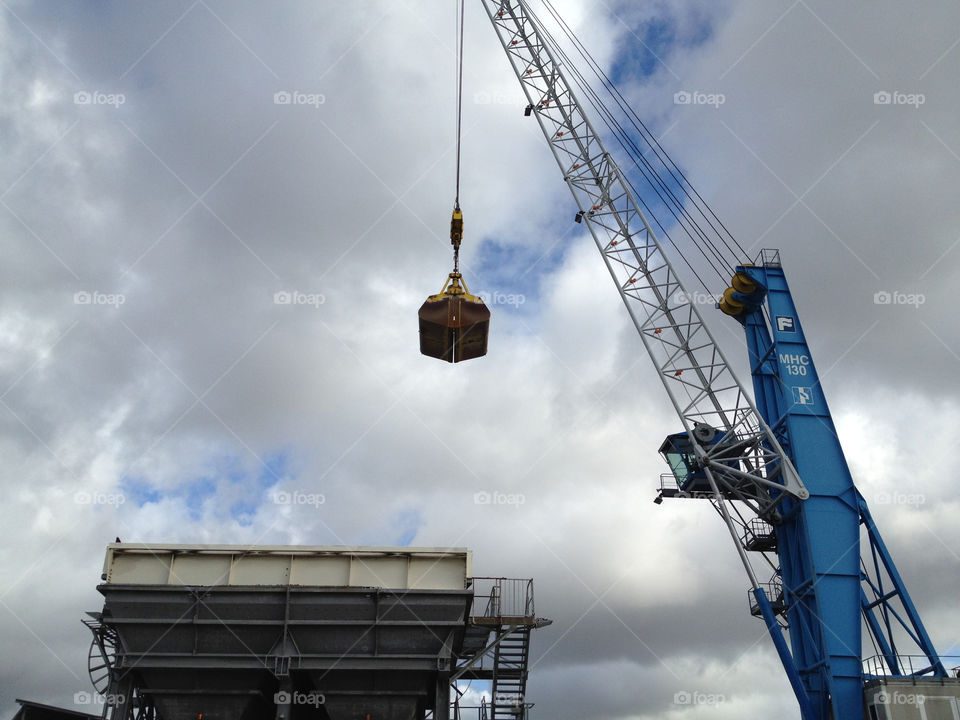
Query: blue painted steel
882	606
818	540
796	682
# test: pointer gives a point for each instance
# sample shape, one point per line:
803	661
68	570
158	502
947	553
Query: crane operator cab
687	468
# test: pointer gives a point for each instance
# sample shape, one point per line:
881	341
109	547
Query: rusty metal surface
454	328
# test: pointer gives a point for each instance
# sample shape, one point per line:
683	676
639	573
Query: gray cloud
198	199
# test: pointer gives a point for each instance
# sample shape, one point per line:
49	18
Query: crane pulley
454	325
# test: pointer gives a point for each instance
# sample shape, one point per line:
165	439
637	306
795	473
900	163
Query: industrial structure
30	710
227	632
819	572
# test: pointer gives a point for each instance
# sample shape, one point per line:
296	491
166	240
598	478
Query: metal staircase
497	645
510	675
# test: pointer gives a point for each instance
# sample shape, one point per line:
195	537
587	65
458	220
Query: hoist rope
456	224
456	202
710	237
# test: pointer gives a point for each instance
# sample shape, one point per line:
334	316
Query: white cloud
200	380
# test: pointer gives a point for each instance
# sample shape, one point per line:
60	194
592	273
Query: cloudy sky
157	206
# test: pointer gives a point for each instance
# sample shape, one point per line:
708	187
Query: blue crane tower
822	585
768	460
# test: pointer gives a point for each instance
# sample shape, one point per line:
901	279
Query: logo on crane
786	324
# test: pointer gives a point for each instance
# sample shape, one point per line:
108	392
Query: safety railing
759	535
769	258
495	597
774	592
484	711
670	488
916	665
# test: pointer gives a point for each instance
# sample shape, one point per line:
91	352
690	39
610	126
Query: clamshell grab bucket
454	324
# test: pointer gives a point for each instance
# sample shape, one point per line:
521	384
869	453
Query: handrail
503	597
911	666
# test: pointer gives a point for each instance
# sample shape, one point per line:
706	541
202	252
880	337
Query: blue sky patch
138	491
252	476
407	523
243	512
641	51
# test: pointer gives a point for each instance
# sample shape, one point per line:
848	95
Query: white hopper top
395	568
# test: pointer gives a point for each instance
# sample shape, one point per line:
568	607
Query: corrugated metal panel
272	565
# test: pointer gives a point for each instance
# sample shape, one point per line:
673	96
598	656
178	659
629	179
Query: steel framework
747	464
745	456
690	363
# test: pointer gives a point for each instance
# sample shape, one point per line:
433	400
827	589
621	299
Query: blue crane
823	586
769	461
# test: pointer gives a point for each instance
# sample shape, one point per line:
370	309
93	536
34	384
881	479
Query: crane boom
690	363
